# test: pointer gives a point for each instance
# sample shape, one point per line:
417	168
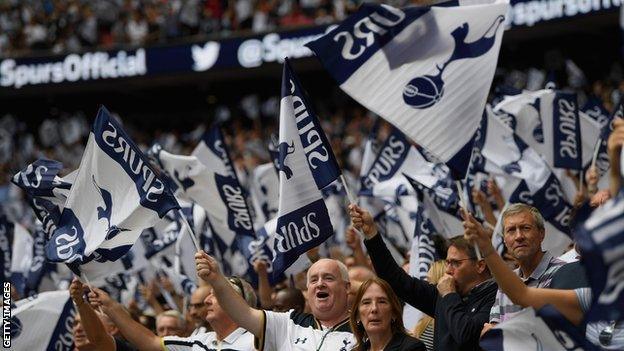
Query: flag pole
464	205
596	150
86	279
350	197
189	229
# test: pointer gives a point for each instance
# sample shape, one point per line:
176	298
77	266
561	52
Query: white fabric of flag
500	152
306	165
264	188
218	190
545	330
115	196
550	122
427	70
43	322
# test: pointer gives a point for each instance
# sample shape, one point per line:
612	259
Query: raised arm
231	302
92	324
565	301
614	147
141	337
417	293
264	286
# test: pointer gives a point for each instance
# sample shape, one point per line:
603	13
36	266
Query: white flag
427	70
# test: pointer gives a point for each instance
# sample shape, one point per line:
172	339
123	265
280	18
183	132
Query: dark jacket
458	320
402	342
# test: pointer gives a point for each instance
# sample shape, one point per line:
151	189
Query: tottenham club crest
425	91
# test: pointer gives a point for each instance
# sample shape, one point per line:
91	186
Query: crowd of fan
60	26
213	304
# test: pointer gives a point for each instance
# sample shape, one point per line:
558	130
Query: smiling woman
376	319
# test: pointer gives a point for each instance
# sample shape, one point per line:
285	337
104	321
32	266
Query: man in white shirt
327	328
226	334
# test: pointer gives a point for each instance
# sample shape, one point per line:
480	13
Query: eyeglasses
239	284
196	305
457	263
606	335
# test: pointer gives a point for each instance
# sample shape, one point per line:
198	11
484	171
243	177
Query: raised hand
99	298
207	267
76	291
363	221
476	234
353	239
260	266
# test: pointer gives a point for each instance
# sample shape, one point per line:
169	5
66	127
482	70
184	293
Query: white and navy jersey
238	340
301	331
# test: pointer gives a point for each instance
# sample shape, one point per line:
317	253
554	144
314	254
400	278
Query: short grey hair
175	314
344	271
517	208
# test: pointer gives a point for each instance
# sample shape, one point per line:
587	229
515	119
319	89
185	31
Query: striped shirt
427	336
504	309
238	340
594	329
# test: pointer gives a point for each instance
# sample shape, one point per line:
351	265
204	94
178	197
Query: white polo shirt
301	332
238	340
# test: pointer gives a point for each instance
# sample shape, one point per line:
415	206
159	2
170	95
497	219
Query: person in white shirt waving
327	328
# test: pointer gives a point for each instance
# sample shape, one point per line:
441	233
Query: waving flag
46	191
427	70
441	206
545	330
43	322
549	122
39	266
306	165
602	156
208	178
222	196
115	196
595	110
264	189
601	242
499	151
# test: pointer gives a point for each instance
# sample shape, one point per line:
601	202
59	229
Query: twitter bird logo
206	56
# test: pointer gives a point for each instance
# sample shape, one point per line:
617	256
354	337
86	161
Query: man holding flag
461	301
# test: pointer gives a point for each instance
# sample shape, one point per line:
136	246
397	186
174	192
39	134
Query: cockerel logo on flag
427	70
115	196
306	165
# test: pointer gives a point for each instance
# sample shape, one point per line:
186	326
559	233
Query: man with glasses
523	233
197	309
462	299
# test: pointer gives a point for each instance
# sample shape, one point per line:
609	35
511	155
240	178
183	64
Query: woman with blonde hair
376	319
425	327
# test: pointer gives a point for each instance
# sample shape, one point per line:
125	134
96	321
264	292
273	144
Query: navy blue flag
115	196
40	266
596	110
600	240
602	156
45	190
306	165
